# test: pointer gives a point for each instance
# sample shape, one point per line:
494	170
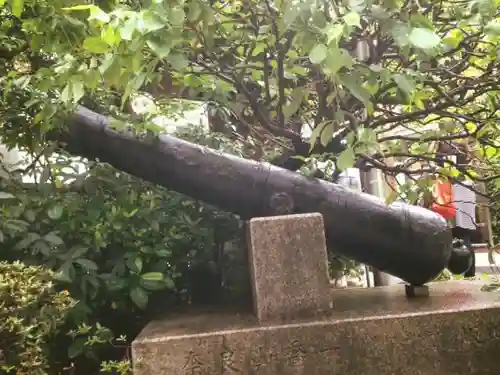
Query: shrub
31	312
125	249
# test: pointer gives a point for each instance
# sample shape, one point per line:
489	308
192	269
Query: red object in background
443	200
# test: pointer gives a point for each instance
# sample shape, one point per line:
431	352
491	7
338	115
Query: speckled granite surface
455	331
289	267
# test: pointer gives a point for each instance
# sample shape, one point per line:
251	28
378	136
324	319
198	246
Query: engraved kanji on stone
193	364
258	358
326	348
228	363
296	354
273	355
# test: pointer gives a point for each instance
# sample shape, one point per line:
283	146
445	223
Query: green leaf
353	19
152	285
318	54
30	215
77	347
401	34
46	173
77	88
95	44
66	94
151	22
42	247
336	60
424	38
454	172
28	239
298	70
16	225
17	7
327	134
111	68
66	273
140	297
315	134
163	252
178	61
194	11
98	14
452	41
77	251
152	276
366	135
334	32
356	89
131	213
79	7
259	48
161	49
294	104
4	195
290	14
358	5
87	264
493	28
136	84
176	16
490	152
404	83
110	36
169	283
134	263
138	263
128	28
53	239
115	285
346	159
471	127
379	13
55	212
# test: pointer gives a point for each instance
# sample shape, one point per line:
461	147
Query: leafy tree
353	70
373	84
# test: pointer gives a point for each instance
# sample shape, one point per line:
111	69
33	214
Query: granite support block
289	267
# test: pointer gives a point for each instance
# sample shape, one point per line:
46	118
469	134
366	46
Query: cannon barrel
406	241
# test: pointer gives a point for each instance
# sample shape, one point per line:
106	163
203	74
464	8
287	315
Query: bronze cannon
406	241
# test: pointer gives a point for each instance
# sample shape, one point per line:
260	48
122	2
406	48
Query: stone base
455	331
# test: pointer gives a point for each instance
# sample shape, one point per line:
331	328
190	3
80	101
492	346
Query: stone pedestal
301	326
455	331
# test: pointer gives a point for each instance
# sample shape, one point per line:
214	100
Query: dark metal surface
406	241
413	291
